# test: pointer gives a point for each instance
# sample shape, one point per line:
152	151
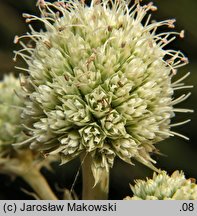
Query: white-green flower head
10	110
165	187
98	81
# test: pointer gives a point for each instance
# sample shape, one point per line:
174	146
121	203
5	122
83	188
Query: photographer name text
69	207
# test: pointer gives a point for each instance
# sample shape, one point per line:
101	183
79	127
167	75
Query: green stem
39	184
100	190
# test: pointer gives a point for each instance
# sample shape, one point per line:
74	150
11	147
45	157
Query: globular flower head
165	187
99	81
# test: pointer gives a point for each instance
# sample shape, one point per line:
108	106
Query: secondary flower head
99	81
165	187
10	110
14	161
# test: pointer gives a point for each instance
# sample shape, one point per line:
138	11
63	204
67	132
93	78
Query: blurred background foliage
180	154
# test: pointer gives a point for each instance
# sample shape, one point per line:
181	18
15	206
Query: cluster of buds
165	187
